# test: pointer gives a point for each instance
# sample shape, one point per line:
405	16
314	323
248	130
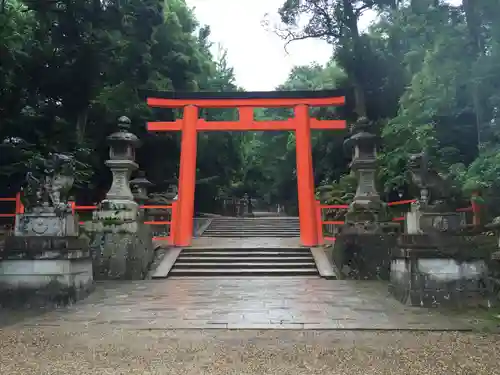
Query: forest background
425	73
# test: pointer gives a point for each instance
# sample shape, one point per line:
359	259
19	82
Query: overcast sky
258	57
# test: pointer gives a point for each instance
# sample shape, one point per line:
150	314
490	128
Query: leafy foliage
425	73
70	68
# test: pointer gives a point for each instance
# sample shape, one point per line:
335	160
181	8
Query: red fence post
319	223
19	204
173	223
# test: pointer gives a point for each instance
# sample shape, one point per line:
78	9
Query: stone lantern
122	146
245	205
366	204
122	246
172	192
118	211
139	187
362	247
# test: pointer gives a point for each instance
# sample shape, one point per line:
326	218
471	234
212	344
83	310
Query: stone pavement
236	243
244	303
123	328
249	242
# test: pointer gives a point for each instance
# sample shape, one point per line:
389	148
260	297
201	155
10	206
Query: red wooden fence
319	215
19	209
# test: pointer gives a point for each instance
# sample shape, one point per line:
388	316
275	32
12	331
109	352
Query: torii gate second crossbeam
246	102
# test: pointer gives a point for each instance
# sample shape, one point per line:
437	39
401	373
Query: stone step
219	265
238	259
236	229
267	261
250	225
275	218
227	227
257	223
251	233
243	253
248	277
285	249
254	220
240	225
253	230
244	272
243	235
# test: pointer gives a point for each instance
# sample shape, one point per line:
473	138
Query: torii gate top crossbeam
261	102
245	102
264	99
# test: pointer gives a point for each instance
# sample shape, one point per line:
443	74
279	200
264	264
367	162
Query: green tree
72	67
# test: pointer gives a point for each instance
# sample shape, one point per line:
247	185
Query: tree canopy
425	73
70	68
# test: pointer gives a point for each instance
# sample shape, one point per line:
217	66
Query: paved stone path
249	242
123	328
245	303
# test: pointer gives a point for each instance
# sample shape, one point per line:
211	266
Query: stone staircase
236	227
212	262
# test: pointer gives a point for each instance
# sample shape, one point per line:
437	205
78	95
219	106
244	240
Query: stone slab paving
123	328
245	303
249	242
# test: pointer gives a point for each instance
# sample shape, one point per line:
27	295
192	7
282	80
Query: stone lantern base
362	250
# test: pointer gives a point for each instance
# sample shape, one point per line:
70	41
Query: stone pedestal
364	255
45	224
435	265
418	222
122	246
45	262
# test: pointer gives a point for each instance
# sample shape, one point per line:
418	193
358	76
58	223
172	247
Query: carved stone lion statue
436	189
48	189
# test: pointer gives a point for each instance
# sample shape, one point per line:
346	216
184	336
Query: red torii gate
246	102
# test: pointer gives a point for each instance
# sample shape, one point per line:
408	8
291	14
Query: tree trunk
81	125
473	20
351	21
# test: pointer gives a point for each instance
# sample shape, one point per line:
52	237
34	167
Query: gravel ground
52	350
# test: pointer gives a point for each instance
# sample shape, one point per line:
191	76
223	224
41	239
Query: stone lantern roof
361	135
123	135
140	186
141	181
361	138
